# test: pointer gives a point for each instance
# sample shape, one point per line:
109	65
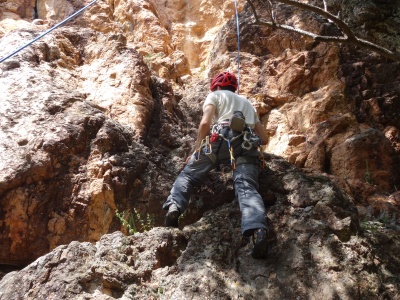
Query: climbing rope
238	41
48	31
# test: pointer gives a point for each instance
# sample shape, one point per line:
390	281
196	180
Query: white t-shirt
226	102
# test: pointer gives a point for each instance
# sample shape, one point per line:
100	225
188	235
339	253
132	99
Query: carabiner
197	153
246	141
207	148
233	161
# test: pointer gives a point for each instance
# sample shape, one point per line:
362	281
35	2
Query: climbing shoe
260	242
171	219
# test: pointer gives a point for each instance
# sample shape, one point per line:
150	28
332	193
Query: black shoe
260	242
171	219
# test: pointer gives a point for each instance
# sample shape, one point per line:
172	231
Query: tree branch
348	35
271	11
253	9
339	23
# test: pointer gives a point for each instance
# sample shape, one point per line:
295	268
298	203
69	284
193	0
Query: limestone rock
369	154
315	249
100	115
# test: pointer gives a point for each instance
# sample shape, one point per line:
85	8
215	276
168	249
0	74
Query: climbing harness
48	31
223	132
216	132
238	41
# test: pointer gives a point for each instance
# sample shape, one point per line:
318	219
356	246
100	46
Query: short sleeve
210	100
256	118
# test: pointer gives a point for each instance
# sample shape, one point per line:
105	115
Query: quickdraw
232	157
233	161
197	153
247	145
207	148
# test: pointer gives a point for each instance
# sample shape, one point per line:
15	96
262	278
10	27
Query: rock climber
234	139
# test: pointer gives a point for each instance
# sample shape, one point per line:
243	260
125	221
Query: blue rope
238	41
48	31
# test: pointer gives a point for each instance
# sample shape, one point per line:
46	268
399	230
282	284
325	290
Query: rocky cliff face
315	253
100	114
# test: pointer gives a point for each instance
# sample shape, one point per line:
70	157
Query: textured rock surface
100	114
316	252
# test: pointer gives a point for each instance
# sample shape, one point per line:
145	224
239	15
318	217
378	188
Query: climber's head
224	80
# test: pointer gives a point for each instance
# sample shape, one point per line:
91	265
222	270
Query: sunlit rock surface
100	115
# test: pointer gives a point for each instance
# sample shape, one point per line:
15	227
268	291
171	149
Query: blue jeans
245	181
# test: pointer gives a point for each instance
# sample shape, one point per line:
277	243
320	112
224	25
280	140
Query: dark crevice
6	268
35	11
327	163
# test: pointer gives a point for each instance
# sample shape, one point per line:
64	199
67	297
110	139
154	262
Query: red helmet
224	79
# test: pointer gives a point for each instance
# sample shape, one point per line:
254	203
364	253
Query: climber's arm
259	129
205	123
204	126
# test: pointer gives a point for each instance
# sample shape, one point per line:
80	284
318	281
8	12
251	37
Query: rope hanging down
48	31
238	41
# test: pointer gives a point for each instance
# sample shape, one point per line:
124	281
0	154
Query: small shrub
375	225
371	226
131	220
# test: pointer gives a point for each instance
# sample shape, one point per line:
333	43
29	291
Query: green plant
375	225
160	291
370	226
157	294
385	219
147	224
129	221
367	174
